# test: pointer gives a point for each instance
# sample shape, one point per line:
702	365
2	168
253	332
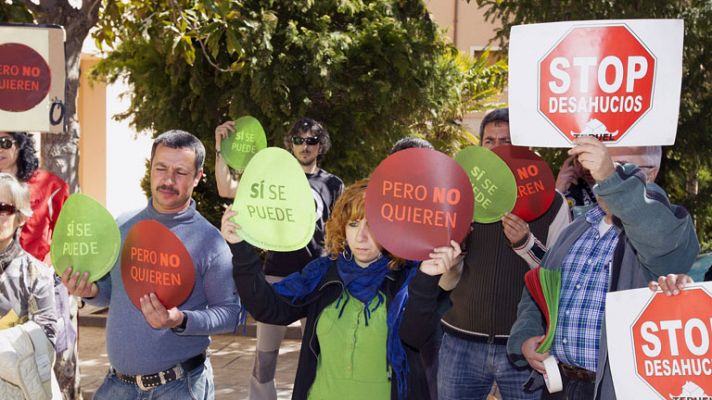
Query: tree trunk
60	152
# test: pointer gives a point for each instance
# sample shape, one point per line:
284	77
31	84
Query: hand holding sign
154	260
417	200
157	315
594	157
492	182
86	238
245	140
274	202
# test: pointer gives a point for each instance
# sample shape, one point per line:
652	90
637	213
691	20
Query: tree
371	71
687	167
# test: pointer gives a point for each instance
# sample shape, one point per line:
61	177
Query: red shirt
48	192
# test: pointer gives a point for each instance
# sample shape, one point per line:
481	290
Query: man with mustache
308	141
155	352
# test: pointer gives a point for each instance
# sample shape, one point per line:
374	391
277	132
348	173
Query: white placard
32	77
617	79
653	339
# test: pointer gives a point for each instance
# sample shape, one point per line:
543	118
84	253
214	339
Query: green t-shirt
352	363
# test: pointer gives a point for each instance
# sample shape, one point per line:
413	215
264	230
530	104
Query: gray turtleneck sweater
134	348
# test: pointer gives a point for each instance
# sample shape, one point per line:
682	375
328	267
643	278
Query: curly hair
351	206
312	127
27	161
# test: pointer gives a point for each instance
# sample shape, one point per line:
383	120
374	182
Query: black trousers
573	390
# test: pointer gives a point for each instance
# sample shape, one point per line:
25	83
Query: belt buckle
139	383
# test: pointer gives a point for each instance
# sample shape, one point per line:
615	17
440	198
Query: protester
309	142
157	352
353	301
631	237
48	193
410	142
26	301
473	351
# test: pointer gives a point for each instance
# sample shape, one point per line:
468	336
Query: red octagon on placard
596	81
672	342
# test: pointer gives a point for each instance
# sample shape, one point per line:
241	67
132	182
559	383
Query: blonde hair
20	195
351	206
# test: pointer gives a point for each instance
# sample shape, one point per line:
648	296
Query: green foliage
686	167
372	71
14	11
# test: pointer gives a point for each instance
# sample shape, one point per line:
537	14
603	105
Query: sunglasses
309	140
6	142
7	209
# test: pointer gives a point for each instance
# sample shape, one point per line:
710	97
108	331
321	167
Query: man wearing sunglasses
48	193
309	142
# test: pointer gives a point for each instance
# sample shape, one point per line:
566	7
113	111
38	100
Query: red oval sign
535	181
154	260
24	77
418	199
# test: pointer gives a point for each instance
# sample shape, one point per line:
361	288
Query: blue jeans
468	369
195	385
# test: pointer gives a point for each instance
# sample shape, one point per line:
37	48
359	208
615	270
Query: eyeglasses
7	209
309	140
6	142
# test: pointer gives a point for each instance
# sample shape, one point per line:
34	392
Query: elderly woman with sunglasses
48	193
27	313
355	300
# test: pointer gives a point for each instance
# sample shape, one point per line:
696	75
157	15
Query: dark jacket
655	238
265	305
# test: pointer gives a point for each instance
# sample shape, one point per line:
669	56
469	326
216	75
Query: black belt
576	373
150	381
481	338
502	340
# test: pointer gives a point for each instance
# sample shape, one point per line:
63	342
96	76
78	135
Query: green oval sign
274	202
492	182
242	144
85	238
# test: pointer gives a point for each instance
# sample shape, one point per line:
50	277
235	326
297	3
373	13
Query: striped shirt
584	283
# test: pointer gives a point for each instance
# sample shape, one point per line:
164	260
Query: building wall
466	27
112	153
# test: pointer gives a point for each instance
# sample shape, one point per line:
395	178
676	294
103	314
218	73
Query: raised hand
229	229
222	131
593	156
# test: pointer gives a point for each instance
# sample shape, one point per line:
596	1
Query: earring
348	256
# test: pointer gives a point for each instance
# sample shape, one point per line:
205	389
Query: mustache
167	188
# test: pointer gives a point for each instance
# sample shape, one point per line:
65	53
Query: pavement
231	357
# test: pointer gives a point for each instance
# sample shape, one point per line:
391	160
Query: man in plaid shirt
633	236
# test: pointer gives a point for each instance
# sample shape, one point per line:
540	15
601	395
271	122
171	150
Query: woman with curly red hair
355	300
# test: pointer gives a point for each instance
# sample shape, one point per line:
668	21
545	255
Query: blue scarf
362	283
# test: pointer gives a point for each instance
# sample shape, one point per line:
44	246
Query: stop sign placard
617	80
671	340
596	81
